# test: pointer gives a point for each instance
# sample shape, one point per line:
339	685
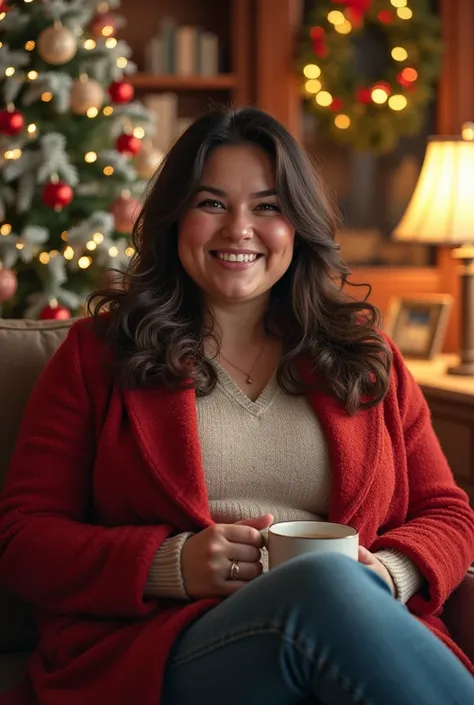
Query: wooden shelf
221	82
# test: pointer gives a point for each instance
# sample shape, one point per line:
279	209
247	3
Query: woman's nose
238	228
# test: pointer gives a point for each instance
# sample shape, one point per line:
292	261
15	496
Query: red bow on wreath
356	9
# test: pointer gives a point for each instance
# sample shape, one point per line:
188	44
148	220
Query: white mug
288	539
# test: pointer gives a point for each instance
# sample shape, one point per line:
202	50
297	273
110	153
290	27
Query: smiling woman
235	252
231	385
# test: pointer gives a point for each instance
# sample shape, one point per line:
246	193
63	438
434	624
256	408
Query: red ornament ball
55	312
363	95
385	17
11	123
336	105
8	284
316	33
57	195
128	144
125	212
121	92
104	24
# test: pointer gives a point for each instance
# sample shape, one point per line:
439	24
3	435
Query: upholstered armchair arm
458	614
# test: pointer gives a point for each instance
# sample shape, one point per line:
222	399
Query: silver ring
234	570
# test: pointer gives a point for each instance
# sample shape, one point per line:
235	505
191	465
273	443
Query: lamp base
463	369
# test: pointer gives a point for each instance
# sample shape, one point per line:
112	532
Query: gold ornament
85	94
57	45
147	161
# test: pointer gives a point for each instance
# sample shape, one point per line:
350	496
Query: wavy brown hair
156	323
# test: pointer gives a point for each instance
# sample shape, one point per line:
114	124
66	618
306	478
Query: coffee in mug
288	539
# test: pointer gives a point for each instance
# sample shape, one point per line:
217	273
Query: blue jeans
318	630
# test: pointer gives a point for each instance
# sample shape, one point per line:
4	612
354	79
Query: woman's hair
156	323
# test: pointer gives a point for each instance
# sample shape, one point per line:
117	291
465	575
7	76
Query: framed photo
418	324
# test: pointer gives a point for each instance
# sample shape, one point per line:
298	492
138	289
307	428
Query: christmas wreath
369	68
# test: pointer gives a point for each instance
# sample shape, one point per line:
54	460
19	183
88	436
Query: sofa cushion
25	347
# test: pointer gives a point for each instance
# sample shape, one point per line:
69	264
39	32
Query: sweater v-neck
233	392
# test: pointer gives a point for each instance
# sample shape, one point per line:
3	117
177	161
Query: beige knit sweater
253	466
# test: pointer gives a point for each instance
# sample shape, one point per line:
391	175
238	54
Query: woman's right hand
207	557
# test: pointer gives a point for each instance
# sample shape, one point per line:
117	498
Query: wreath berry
369	68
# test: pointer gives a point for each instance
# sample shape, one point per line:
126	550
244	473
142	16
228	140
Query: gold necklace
249	379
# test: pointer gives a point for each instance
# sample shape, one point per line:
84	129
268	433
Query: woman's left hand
372	562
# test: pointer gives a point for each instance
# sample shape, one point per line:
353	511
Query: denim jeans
319	630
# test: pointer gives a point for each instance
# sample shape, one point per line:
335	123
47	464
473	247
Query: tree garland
369	68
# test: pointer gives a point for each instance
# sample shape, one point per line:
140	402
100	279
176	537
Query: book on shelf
183	51
168	125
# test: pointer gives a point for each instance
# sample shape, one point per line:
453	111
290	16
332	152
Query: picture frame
417	324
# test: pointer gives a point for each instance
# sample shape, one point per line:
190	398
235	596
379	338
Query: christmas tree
72	156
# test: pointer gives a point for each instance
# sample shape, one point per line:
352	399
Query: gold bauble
147	161
57	45
85	94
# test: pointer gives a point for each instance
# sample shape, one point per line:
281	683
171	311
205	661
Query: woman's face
234	241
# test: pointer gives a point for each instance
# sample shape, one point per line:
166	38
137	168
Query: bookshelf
256	54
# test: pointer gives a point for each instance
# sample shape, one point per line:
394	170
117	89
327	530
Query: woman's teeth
236	258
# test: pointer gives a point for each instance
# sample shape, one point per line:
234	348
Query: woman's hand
372	562
207	557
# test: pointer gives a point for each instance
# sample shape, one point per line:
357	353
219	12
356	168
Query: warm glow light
343	28
84	262
324	98
379	96
2	15
342	121
16	153
398	3
440	210
399	54
10	71
410	74
5	229
108	170
336	17
64	235
92	112
404	13
98	238
91	245
108	30
313	85
129	251
138	132
32	75
90	157
31	128
468	131
30	45
46	97
68	253
20	245
312	71
44	258
122	62
8	154
108	110
53	253
111	43
89	44
397	102
113	252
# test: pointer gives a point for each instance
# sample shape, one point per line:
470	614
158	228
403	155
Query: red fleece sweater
81	552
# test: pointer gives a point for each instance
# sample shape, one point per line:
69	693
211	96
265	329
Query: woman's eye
268	207
210	203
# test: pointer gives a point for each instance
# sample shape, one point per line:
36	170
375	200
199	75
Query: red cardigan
101	476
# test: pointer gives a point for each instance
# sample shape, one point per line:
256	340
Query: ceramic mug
288	539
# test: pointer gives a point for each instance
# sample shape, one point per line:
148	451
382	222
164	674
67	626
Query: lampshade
441	210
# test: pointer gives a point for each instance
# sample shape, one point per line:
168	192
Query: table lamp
441	212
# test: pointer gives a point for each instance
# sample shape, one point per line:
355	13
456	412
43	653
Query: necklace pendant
249	380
